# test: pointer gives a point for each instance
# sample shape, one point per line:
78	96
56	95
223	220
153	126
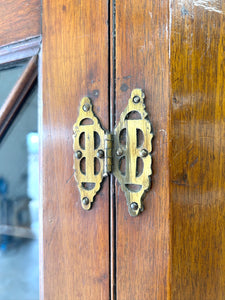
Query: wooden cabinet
174	51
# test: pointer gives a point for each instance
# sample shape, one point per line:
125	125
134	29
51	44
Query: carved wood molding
19	50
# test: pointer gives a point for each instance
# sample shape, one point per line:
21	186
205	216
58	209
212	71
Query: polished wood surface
197	150
19	20
75	242
142	61
17	96
174	51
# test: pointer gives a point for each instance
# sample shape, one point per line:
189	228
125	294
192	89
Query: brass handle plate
133	138
125	153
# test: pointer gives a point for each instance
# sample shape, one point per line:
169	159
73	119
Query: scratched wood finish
197	151
19	20
142	61
75	242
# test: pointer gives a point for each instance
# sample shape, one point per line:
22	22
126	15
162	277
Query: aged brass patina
136	146
88	143
125	153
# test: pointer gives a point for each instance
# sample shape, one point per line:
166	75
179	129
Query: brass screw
86	107
100	153
143	153
119	152
136	99
134	206
85	201
78	154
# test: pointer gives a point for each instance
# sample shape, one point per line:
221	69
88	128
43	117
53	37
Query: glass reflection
8	77
19	206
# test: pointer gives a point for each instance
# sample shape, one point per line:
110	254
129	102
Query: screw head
85	201
119	152
136	99
86	107
78	154
100	153
134	206
143	153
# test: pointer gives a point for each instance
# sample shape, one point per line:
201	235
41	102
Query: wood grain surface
19	20
75	64
142	61
175	248
197	150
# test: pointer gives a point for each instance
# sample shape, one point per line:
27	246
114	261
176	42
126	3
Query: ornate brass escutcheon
132	148
88	156
126	152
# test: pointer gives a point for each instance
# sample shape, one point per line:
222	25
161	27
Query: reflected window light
33	178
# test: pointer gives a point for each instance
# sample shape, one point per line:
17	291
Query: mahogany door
174	51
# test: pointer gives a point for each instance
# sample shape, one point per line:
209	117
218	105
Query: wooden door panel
75	64
142	61
197	157
175	52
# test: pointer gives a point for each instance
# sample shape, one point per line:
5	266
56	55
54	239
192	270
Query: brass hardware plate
88	143
133	138
125	153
